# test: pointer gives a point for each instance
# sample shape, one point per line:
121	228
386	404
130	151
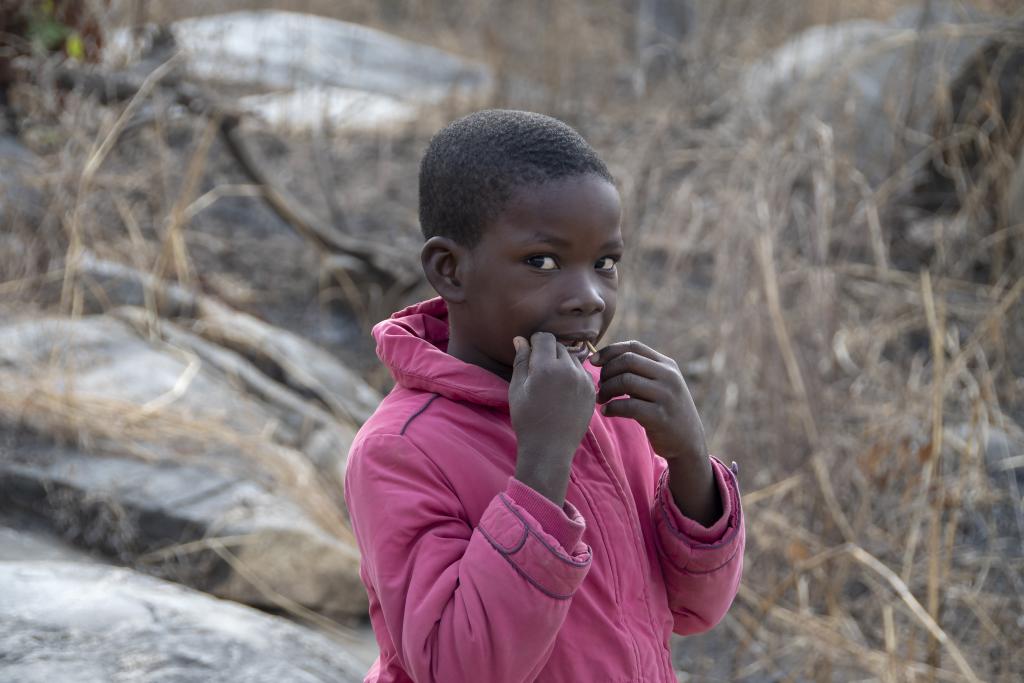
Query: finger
603	356
562	356
521	364
631	385
640	410
544	347
636	364
522	350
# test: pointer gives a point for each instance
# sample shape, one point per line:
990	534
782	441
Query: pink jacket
474	576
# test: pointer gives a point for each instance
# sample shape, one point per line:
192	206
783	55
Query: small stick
593	349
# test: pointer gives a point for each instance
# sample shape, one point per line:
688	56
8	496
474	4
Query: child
517	523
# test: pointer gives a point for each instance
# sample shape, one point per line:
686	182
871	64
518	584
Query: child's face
548	263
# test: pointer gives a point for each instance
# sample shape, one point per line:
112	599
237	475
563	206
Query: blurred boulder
20	202
32	544
810	56
100	358
15	157
24	248
880	86
307	70
177	440
293	361
62	621
1015	195
981	127
279	50
660	28
309	107
197	524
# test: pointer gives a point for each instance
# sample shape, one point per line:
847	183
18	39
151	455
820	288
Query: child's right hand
551	400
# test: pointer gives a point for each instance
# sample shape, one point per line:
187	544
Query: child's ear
443	260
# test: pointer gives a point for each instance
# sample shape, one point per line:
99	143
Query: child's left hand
657	398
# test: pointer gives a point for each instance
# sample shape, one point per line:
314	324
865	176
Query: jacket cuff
695	531
564	523
690	546
554	569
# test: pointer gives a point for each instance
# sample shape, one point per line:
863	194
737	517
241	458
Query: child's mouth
577	347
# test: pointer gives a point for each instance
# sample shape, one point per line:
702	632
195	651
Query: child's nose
584	297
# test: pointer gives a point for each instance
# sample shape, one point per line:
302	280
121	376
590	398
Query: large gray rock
198	524
324	438
659	29
101	358
77	622
30	545
876	84
21	203
296	362
283	50
1015	195
314	404
310	69
16	157
171	449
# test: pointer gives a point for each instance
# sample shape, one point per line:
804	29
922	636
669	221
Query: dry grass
863	385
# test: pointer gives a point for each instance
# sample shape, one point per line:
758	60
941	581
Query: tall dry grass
869	390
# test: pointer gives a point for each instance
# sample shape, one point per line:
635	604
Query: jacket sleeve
462	603
701	565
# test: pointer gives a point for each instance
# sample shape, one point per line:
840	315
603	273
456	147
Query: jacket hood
413	344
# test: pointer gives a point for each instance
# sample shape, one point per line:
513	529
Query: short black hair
473	166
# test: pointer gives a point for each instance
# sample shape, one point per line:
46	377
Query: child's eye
542	262
607	263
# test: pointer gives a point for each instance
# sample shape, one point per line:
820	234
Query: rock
310	69
296	362
875	83
809	56
1004	457
109	283
16	156
99	358
659	29
271	552
310	107
992	517
283	50
986	99
62	621
24	545
321	436
1015	195
174	450
20	202
303	366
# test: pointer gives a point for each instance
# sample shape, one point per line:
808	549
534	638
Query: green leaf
75	47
